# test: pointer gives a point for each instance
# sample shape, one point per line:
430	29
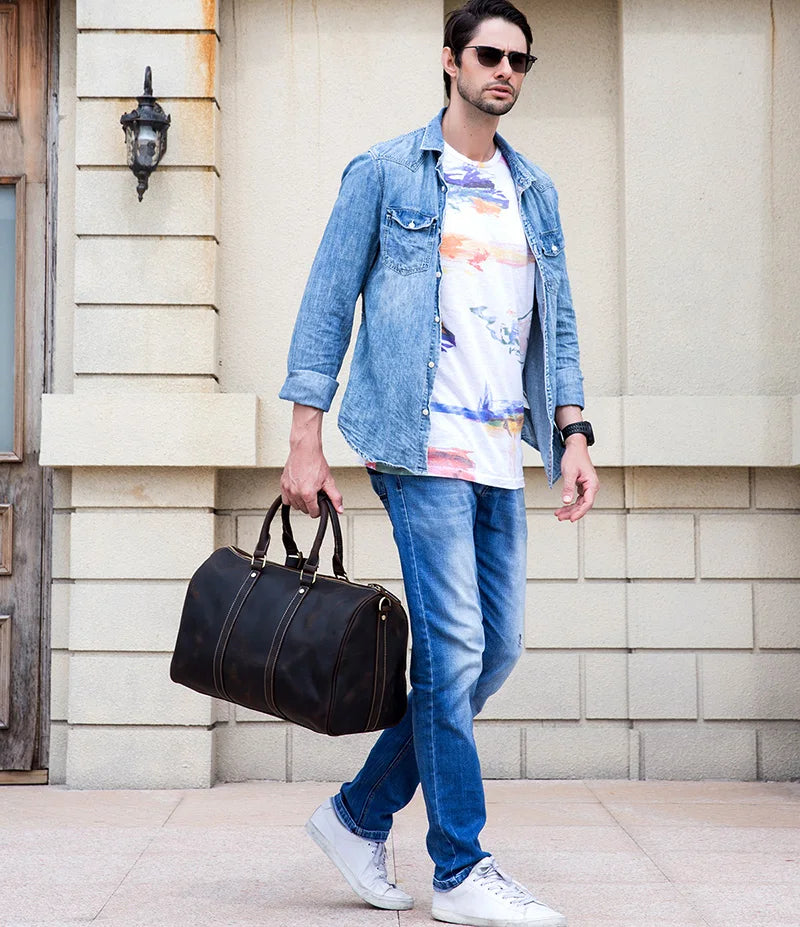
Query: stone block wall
131	539
662	632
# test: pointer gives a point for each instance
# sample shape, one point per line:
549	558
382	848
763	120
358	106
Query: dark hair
462	24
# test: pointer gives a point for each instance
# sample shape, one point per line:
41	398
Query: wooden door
25	291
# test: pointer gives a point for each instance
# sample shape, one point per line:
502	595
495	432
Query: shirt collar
433	140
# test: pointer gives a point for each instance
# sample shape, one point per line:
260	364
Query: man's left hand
577	470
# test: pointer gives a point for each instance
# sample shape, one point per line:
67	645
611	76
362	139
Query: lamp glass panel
8	268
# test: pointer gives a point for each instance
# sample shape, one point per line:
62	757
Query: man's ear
449	62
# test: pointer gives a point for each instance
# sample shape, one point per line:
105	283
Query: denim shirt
382	242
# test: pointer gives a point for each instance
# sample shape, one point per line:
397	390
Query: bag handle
309	569
289	545
327	512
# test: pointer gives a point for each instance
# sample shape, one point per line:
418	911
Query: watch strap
582	428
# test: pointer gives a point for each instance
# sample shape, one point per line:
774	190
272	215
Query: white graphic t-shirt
485	307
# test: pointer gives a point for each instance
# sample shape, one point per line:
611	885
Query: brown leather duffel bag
320	651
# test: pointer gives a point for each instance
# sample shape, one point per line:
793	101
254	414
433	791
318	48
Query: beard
492	107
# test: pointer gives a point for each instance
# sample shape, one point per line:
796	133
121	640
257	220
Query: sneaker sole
557	920
364	894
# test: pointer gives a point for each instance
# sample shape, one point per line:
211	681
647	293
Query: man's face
493	90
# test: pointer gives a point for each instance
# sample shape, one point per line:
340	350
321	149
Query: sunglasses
490	57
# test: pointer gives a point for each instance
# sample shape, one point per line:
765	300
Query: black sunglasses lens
519	62
489	57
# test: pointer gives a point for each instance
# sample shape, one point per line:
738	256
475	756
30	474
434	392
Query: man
467	345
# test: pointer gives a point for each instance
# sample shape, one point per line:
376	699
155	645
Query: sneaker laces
503	885
379	860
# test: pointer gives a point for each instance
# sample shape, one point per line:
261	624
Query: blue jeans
462	549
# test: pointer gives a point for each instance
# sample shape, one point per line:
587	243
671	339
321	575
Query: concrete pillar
138	424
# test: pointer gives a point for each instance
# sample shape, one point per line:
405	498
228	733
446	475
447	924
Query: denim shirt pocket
551	244
408	239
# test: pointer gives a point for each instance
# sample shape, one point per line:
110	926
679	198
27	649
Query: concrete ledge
707	431
101	384
148	430
232	430
632	431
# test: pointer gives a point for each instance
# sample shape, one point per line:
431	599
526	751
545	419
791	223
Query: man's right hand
307	471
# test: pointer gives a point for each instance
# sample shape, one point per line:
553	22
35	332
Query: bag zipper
385	591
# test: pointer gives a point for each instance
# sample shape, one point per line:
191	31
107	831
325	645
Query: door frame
40	772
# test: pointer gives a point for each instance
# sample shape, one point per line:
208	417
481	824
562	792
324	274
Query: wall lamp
145	131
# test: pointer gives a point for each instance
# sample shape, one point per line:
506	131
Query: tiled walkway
605	853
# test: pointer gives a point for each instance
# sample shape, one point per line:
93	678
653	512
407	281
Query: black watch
577	428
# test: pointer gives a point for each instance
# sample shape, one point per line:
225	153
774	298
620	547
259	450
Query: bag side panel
354	685
208	599
382	658
304	671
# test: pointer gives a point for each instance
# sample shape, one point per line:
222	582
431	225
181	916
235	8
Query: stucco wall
666	131
327	80
662	635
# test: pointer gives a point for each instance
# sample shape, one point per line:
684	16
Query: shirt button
411	225
554	249
424	411
436	318
438	273
431	364
444	189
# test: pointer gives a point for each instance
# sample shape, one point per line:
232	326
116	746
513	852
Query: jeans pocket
378	484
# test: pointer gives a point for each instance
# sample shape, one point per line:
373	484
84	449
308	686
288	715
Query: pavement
606	853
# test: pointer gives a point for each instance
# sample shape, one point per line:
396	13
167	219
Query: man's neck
470	131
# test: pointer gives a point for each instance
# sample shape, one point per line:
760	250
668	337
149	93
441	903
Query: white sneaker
362	862
490	898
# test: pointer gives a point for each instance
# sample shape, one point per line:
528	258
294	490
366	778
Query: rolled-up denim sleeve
569	378
324	322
